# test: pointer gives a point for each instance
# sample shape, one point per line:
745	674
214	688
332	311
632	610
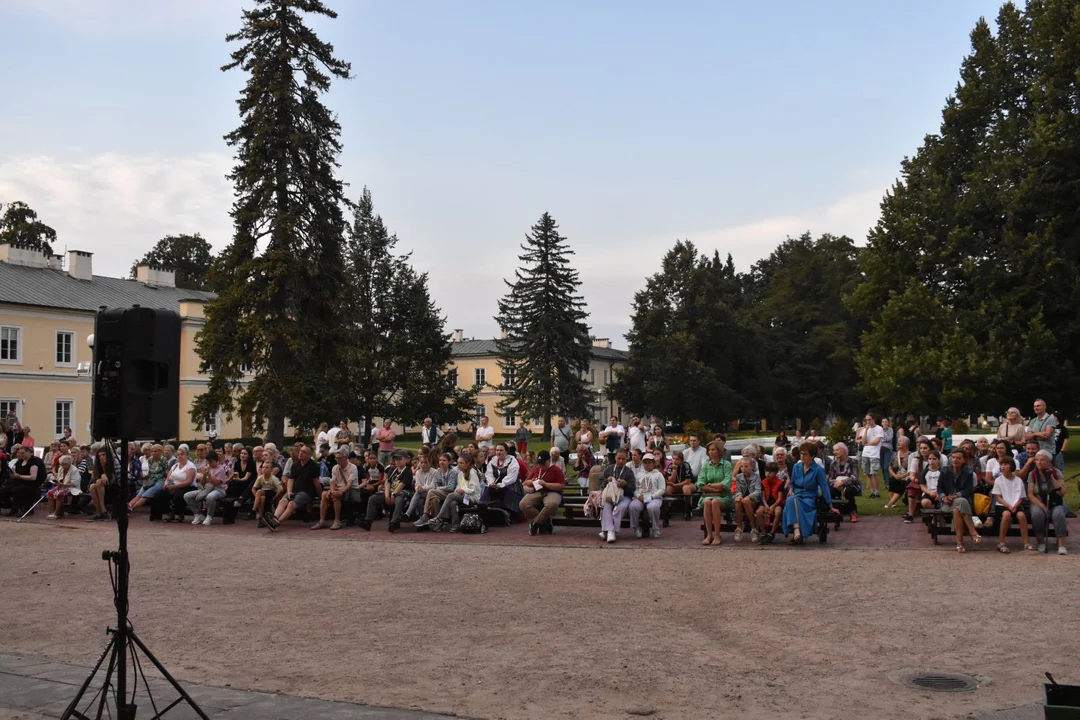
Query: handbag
472	524
612	493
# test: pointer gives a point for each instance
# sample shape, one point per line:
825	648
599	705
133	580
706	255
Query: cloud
118	206
118	17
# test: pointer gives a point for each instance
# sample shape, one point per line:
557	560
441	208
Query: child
929	485
266	483
772	502
1010	493
747	497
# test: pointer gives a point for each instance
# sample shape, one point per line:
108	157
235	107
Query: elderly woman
714	483
807	482
68	482
154	477
783	469
1013	428
180	480
1046	490
956	487
843	475
747	497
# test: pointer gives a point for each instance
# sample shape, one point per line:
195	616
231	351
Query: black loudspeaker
136	374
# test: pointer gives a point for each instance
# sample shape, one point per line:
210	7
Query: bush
960	427
696	427
840	431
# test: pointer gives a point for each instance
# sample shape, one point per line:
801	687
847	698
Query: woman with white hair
1046	490
1013	428
843	476
68	481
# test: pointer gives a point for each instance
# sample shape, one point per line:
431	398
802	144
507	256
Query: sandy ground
505	631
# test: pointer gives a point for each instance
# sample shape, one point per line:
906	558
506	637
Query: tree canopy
189	256
19	225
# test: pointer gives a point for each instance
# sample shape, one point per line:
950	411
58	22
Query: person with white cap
648	495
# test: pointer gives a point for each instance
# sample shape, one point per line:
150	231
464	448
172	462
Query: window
509	375
10	344
451	377
8	406
511	420
592	376
210	424
245	367
65	416
607	378
65	341
481	376
481	411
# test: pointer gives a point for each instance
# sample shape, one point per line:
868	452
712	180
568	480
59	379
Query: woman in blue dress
807	480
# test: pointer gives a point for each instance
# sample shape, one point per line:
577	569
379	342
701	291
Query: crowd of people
1015	476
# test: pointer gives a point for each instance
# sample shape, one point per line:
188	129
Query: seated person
584	463
302	486
396	493
106	472
1046	490
957	489
343	480
66	481
267	485
213	482
1010	493
714	483
242	477
543	488
648	495
1025	459
772	503
180	480
153	479
680	481
466	492
899	470
371	476
930	482
23	488
445	483
807	484
843	475
424	476
502	486
747	497
611	514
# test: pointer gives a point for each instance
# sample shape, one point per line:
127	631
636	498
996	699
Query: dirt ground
519	631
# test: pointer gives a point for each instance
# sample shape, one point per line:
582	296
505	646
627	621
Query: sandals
1004	550
1031	548
961	549
707	541
977	538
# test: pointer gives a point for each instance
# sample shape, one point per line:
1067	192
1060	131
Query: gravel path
516	631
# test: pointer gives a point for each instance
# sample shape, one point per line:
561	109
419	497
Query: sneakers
50	516
755	537
534	529
437	525
1062	550
337	525
603	534
394	527
262	522
321	525
908	519
455	529
208	521
1042	547
611	536
637	532
198	520
424	521
738	534
656	532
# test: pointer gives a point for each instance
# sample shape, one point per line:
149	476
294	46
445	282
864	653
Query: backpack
472	524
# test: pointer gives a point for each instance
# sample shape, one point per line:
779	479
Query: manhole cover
939	682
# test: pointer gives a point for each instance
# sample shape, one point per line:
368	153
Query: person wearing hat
396	493
648	495
343	481
543	489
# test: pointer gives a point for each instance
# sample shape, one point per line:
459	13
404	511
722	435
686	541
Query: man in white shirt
695	455
429	434
638	435
612	438
871	434
501	480
484	433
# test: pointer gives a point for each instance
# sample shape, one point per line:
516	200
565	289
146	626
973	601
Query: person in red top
543	494
772	502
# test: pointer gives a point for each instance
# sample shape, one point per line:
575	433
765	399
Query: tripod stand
124	646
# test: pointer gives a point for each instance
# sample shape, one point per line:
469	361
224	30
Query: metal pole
121	560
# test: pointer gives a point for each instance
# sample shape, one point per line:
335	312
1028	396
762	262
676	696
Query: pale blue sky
733	124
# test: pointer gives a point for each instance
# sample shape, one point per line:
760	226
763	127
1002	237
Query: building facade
48	306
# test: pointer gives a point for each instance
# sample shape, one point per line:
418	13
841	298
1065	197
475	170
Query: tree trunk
547	425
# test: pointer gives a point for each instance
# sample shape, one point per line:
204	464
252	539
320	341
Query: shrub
840	431
960	427
696	427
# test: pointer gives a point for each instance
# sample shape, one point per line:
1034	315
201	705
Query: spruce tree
547	342
281	279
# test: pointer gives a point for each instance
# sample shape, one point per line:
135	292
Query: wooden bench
833	517
939	522
572	512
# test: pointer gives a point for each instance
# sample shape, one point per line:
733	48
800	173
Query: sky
635	124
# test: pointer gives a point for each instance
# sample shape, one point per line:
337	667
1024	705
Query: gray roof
481	348
46	287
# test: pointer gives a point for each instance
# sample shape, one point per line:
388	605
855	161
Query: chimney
457	334
602	343
155	276
79	266
56	262
22	255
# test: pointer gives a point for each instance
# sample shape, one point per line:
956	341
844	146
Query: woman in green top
714	482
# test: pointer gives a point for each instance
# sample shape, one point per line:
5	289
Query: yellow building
47	309
475	363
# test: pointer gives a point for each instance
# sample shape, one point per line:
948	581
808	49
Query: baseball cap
649	456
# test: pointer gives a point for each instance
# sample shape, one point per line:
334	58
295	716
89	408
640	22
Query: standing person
872	437
843	474
612	437
1046	490
800	505
430	433
521	438
544	490
945	435
560	437
612	512
888	447
586	434
648	495
781	440
385	437
1013	428
638	437
322	437
1042	428
484	434
1061	443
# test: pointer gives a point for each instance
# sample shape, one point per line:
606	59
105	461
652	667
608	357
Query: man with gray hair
1042	428
842	473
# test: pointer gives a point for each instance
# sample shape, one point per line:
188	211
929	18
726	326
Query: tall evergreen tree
986	219
547	342
399	351
281	280
188	256
19	225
